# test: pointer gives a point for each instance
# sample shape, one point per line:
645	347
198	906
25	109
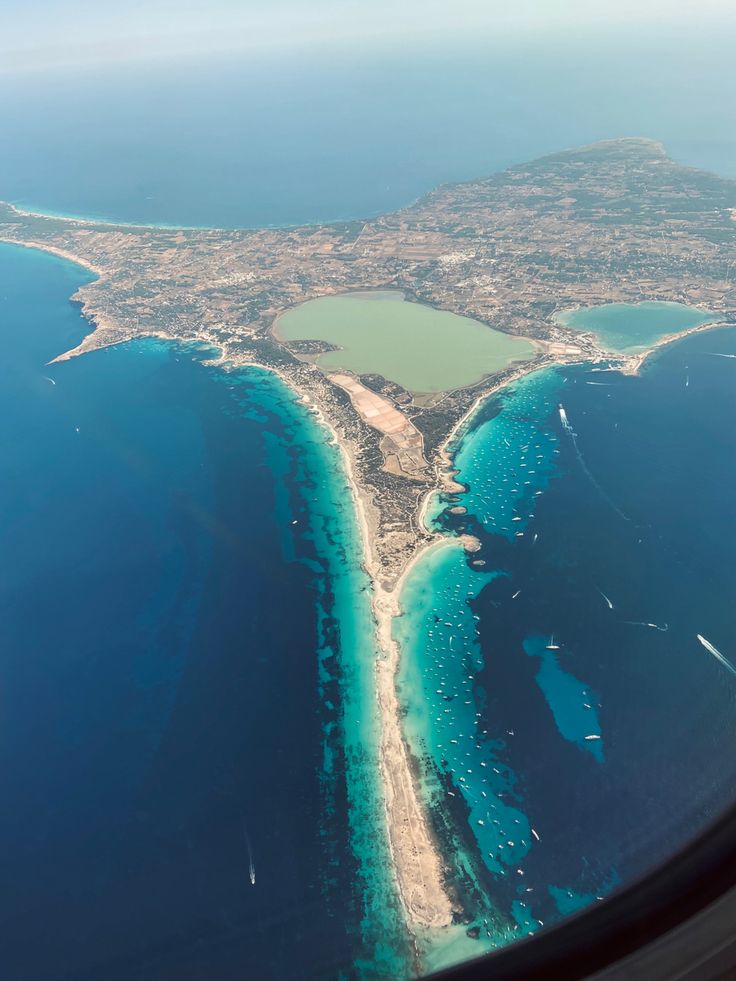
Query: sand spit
631	364
418	863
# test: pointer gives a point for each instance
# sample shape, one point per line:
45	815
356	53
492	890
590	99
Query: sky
37	34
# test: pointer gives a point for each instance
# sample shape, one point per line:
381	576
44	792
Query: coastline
414	836
445	483
54	250
635	361
111	223
417	860
96	222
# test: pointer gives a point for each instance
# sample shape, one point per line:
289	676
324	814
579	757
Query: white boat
552	646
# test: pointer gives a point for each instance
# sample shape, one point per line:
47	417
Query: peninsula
615	222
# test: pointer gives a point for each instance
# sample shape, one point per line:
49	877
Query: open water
568	714
294	136
186	670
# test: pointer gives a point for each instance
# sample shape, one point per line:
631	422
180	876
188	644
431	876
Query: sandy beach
53	250
418	863
632	363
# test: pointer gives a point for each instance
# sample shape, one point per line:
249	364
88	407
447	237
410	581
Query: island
488	270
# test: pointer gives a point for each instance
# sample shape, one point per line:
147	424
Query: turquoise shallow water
444	728
155	740
346	655
573	704
542	673
634	326
506	462
188	663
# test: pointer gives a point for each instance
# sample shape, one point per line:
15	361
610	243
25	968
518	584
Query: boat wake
662	627
610	604
251	866
714	650
574	437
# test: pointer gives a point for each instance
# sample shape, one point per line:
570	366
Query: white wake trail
610	604
716	654
574	437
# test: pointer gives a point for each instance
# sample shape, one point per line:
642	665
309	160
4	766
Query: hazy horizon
47	33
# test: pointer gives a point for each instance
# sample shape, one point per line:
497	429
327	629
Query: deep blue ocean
185	652
635	556
560	687
326	133
178	576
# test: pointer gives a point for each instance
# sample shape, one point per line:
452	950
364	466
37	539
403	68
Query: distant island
495	266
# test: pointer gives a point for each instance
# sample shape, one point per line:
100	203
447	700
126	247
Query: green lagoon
632	326
422	349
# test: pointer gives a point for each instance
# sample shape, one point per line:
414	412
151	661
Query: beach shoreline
54	250
417	863
417	860
635	361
